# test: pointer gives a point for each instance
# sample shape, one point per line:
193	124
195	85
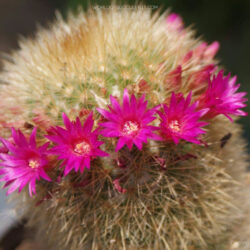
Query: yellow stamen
175	126
130	127
34	164
82	148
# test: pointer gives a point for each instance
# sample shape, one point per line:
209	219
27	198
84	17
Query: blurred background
227	21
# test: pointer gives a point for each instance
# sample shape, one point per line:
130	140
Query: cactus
168	177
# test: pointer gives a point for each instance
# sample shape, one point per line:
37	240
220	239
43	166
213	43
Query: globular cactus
123	134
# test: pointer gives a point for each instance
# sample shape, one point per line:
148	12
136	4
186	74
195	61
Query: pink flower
118	186
128	122
25	164
179	120
187	57
200	50
174	77
77	145
206	52
175	22
221	97
143	86
211	50
201	76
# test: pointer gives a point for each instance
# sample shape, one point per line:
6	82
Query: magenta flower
25	164
180	120
128	122
221	97
175	22
77	145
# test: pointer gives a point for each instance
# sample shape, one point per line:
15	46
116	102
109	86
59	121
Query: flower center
82	148
175	126
33	164
130	128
